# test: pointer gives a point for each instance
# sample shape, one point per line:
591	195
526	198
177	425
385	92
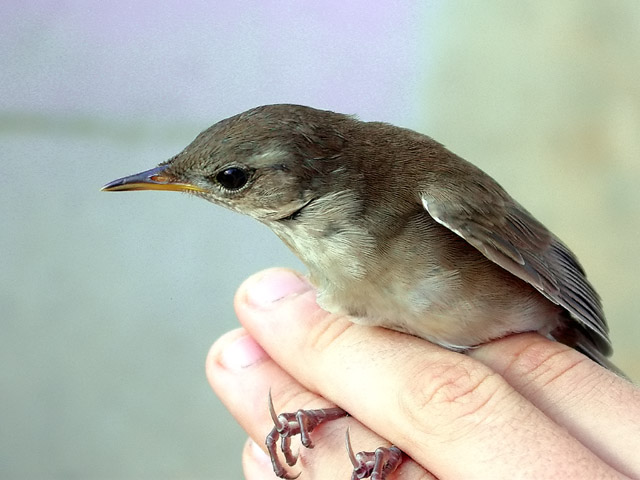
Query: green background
110	302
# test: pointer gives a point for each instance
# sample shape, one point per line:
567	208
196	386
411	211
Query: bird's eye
232	178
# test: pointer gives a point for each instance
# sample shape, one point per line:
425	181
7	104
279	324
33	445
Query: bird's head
269	162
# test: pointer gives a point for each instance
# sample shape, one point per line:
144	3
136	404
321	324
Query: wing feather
500	228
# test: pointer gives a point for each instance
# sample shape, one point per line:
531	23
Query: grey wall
110	301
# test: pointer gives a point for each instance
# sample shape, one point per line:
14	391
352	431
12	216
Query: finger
436	405
256	464
242	375
243	386
599	408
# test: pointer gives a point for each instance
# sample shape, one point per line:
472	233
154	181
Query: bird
395	229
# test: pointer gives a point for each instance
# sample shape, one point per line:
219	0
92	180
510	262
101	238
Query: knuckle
458	395
543	362
327	331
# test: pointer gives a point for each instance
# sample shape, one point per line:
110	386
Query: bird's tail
583	340
597	356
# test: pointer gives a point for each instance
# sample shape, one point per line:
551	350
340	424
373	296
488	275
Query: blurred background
110	302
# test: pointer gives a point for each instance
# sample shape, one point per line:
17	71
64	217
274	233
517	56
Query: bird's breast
421	279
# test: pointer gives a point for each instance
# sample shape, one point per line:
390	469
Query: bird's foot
375	465
286	425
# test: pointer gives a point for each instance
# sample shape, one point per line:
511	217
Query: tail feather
597	356
584	341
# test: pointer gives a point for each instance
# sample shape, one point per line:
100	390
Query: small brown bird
396	230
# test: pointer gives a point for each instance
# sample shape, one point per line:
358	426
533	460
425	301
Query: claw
272	410
374	465
352	456
287	425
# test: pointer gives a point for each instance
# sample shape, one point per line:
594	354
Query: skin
518	407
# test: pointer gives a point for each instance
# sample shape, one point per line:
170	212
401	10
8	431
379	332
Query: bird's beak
153	179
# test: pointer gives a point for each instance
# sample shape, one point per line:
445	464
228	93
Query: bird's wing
489	219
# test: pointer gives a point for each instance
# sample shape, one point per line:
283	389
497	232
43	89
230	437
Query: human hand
519	407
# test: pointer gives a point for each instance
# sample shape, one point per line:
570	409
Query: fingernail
242	353
275	285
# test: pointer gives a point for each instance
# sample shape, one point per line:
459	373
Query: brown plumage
395	229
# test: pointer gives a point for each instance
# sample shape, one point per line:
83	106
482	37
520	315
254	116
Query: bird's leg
375	465
286	425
